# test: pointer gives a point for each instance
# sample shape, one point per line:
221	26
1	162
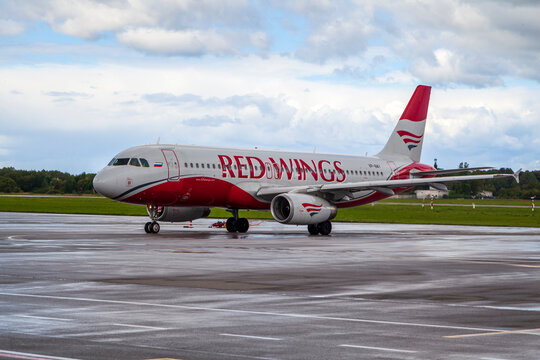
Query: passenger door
172	164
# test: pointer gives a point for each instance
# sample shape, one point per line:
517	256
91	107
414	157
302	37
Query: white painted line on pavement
43	317
29	356
142	327
251	337
377	348
251	312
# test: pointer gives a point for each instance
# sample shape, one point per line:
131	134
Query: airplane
179	183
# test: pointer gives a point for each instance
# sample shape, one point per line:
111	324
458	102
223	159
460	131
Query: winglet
516	175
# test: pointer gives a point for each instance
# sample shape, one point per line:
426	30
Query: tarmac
99	287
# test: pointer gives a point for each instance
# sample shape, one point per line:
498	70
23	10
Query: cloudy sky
81	80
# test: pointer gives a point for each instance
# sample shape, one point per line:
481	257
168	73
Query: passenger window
202	165
185	164
197	165
219	166
213	166
121	162
190	164
144	163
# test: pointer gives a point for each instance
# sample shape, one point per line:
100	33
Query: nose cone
105	184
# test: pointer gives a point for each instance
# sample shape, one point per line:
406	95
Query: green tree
8	185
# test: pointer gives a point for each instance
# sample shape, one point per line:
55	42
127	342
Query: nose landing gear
151	227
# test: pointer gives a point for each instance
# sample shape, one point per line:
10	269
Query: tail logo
410	139
312	209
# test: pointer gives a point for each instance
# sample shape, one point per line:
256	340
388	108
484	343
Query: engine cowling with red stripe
301	209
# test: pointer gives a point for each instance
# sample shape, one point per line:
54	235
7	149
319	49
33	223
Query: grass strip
406	214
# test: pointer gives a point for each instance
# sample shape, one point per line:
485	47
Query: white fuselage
179	175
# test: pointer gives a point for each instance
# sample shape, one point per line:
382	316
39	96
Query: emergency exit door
172	164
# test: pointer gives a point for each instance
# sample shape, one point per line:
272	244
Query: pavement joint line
524	331
377	348
30	356
251	337
236	311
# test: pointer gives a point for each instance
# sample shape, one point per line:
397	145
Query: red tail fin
417	107
408	135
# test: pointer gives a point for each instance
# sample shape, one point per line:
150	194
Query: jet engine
301	209
175	213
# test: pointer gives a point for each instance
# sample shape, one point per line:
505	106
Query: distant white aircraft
181	183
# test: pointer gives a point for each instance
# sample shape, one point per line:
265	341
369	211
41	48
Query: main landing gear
151	227
236	224
323	228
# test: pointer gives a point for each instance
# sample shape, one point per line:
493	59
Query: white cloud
10	28
448	68
113	107
215	79
191	42
87	19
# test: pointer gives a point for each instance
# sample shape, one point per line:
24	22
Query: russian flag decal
158	164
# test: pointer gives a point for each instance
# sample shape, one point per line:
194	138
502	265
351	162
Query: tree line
57	182
502	188
44	182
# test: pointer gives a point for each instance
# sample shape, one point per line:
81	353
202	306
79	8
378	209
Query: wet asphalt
99	287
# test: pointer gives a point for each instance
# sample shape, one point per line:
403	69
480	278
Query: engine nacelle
301	209
175	213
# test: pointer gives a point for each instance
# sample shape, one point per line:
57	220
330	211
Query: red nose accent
417	107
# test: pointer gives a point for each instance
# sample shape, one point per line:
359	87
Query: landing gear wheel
231	225
313	229
325	227
154	227
147	227
242	225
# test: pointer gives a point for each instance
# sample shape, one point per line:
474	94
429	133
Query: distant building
427	194
485	194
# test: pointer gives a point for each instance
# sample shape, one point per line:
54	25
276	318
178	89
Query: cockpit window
134	162
144	163
111	162
120	162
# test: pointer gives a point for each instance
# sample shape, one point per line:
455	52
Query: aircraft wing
447	171
382	186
